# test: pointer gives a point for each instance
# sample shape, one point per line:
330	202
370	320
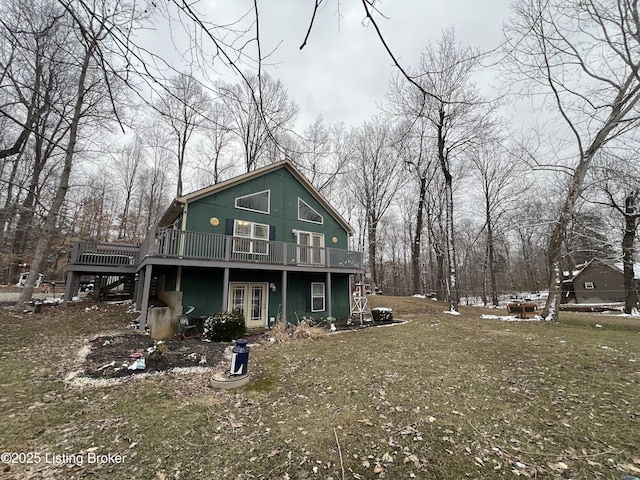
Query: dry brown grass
439	397
289	333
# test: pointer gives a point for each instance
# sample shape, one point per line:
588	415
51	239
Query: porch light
272	286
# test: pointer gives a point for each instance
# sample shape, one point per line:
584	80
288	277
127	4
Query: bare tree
585	56
212	151
616	186
128	163
260	110
320	157
500	179
88	85
441	91
183	107
374	178
156	178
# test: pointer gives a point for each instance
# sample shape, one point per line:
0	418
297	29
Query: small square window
589	285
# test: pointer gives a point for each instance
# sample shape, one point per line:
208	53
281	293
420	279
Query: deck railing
105	254
171	243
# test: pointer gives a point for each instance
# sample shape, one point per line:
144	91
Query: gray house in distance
597	281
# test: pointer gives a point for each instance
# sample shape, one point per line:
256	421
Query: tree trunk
630	226
550	311
453	297
42	246
491	261
372	248
417	240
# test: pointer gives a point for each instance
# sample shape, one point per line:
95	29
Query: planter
382	314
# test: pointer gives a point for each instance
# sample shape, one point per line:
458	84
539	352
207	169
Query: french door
251	300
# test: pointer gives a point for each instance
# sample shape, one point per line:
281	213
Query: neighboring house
597	281
265	243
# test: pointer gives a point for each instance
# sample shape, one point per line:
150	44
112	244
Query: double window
253	237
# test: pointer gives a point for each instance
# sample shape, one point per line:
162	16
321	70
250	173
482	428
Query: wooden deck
174	247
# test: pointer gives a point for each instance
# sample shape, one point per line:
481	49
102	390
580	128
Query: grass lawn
440	397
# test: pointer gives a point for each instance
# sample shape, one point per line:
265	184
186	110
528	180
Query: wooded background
447	192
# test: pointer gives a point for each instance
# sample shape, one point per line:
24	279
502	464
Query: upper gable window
256	202
308	214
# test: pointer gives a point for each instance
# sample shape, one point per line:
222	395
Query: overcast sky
343	72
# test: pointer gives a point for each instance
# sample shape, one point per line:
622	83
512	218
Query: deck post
328	295
225	290
283	310
69	286
145	298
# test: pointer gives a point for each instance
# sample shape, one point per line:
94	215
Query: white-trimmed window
589	286
317	297
310	248
255	202
306	213
254	237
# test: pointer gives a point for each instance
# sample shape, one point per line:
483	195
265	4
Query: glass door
250	299
310	248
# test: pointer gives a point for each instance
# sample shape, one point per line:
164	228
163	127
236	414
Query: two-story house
266	243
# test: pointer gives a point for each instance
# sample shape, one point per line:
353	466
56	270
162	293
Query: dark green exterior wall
299	299
203	288
285	190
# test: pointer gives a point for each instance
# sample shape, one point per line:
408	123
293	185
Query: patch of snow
452	312
418	295
511	318
52	301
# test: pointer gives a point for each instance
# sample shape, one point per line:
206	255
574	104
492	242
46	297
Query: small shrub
224	326
381	314
158	350
285	334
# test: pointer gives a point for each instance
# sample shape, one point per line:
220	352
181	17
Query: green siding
285	190
299	295
203	289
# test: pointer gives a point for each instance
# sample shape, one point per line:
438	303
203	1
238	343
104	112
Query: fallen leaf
378	468
414	459
629	467
558	467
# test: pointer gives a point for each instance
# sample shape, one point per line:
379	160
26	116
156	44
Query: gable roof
581	268
177	205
